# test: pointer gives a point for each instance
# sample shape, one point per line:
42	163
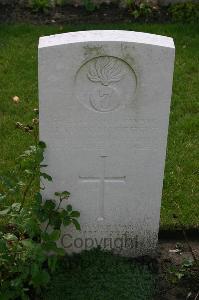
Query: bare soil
170	256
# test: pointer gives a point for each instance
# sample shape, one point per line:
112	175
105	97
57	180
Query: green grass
97	275
18	76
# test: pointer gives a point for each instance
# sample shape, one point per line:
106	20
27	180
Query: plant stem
196	296
189	246
60	200
186	238
26	191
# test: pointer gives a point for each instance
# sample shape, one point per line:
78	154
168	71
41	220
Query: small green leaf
57	194
42	144
49	205
42	215
76	223
41	278
60	252
35	269
5	211
69	207
45	236
28	243
2	197
187	263
75	214
49	246
40	156
46	176
66	221
65	194
54	236
179	275
64	214
38	197
10	237
21	184
16	206
52	261
3	246
32	227
29	172
55	219
7	182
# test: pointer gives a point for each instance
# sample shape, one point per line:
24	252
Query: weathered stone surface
104	112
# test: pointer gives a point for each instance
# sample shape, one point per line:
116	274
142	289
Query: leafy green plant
189	268
30	225
139	9
177	273
89	5
40	5
185	12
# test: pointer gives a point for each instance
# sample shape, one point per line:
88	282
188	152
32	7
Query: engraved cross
102	179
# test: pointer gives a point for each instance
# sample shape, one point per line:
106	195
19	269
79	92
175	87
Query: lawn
97	275
18	76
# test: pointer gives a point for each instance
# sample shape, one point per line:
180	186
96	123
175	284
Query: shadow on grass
99	275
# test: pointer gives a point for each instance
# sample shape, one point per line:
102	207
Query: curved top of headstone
105	36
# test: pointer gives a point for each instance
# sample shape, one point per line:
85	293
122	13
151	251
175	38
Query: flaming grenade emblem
106	71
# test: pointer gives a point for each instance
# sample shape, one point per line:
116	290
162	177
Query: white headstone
104	113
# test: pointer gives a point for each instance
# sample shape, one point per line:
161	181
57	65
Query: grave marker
104	113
